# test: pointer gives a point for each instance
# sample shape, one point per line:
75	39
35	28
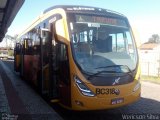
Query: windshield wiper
110	66
130	73
99	72
118	67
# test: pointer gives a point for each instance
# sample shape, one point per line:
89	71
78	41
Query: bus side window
28	46
18	48
63	62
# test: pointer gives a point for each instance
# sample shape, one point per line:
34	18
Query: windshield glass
99	41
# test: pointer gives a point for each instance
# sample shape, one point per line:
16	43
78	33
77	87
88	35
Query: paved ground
151	91
20	100
4	107
147	108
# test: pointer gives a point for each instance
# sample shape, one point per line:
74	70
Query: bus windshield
101	41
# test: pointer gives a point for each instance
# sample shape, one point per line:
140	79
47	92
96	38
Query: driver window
120	42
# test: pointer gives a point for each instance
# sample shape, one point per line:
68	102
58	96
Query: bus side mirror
60	31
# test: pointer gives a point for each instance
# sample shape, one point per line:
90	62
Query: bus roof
76	8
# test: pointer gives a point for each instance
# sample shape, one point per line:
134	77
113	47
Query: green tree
154	39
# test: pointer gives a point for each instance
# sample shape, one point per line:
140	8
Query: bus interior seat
109	44
104	45
84	47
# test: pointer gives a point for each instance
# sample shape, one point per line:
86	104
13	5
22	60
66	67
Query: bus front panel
105	72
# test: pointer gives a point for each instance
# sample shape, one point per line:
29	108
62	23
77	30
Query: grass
150	79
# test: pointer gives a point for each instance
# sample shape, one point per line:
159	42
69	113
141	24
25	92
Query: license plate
117	101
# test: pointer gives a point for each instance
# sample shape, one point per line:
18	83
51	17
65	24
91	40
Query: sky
143	15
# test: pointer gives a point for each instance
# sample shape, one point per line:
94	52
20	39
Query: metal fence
150	63
150	68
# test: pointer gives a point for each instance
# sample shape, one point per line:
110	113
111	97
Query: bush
10	53
150	79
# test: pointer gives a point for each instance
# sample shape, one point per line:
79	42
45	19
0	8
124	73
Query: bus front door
60	64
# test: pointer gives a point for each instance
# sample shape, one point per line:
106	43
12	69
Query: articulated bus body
85	57
17	57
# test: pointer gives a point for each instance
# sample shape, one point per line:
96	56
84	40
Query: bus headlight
137	86
83	88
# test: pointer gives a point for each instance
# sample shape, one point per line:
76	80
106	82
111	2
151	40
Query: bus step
54	100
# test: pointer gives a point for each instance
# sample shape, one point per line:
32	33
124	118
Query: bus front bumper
95	103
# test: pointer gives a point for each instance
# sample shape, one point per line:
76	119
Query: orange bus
83	57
